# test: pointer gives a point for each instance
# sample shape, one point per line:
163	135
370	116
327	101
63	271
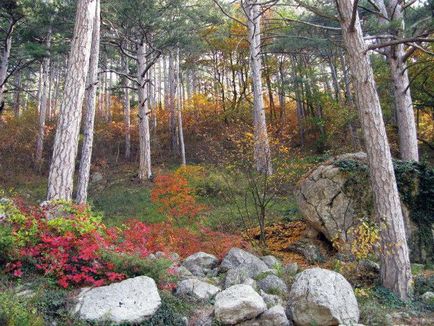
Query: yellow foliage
366	238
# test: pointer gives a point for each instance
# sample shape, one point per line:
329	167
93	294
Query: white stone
200	263
196	288
322	297
238	303
275	316
236	257
131	301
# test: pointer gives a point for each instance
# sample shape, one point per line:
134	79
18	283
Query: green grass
122	201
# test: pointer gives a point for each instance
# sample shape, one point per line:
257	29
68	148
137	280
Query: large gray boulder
236	257
131	301
197	289
244	272
322	297
238	303
336	197
200	263
275	316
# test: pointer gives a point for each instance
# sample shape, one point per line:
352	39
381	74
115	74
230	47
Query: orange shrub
175	198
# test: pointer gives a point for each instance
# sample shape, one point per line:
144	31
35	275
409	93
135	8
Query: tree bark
60	180
43	102
407	133
5	62
262	153
145	171
17	100
179	109
91	88
127	109
395	263
172	103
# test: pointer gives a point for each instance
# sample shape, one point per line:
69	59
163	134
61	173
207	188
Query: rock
236	257
197	289
291	269
271	261
96	177
251	282
174	257
183	273
308	250
202	316
273	285
270	299
200	263
428	298
275	316
53	210
5	205
238	303
322	297
368	266
336	197
131	301
241	273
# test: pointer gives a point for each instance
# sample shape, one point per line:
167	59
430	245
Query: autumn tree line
272	59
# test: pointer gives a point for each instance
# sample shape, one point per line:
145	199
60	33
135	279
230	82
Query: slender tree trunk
179	109
408	144
395	263
282	103
60	180
5	62
262	153
127	110
145	171
89	121
17	100
171	104
43	102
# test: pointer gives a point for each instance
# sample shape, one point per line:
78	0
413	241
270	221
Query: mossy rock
336	198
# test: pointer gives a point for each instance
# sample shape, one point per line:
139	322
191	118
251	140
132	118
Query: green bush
133	266
52	303
17	311
171	312
6	243
423	284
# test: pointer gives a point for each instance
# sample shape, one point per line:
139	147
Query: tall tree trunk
408	144
127	109
172	103
262	153
395	263
282	101
5	62
179	109
145	171
89	121
17	100
60	180
350	102
43	102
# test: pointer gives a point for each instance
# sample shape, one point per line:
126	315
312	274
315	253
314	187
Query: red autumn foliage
72	252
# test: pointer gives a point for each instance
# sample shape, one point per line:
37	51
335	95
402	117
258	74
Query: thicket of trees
302	70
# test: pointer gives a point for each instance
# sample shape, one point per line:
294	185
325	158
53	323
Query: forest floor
119	196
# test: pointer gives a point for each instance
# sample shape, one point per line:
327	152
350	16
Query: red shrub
175	198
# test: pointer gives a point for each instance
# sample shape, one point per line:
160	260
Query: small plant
17	311
366	238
